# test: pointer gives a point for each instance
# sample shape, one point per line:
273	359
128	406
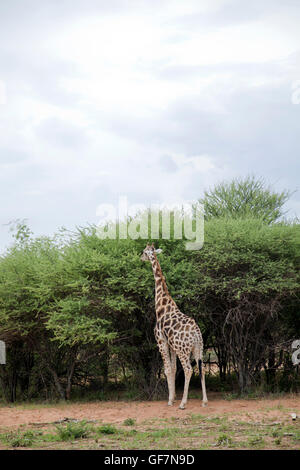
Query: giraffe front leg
171	389
188	371
165	354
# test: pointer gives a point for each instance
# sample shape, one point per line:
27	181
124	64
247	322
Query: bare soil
117	411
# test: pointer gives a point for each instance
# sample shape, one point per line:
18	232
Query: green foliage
80	310
106	429
71	326
248	197
224	440
245	256
247	275
72	431
129	422
256	441
20	439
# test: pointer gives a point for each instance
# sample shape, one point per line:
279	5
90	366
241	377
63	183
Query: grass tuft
129	422
107	429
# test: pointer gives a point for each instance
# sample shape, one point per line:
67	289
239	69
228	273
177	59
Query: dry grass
242	430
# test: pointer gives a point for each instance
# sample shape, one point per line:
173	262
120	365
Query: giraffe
176	334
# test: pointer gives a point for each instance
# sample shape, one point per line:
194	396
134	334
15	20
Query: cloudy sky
155	100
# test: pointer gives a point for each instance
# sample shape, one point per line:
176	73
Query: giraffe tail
200	367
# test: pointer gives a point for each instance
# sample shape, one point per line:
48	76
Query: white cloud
97	98
3	98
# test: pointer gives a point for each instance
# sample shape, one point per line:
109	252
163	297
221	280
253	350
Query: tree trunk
13	386
270	370
57	383
69	380
243	378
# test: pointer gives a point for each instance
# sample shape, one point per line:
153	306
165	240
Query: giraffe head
148	253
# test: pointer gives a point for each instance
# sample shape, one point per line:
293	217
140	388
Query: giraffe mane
163	279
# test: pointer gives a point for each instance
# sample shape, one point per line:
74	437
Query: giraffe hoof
181	407
170	403
204	403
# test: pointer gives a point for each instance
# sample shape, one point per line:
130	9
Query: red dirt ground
117	412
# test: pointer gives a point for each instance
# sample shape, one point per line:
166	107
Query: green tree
46	307
74	310
247	277
245	197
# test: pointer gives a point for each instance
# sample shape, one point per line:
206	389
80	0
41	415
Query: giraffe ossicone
176	334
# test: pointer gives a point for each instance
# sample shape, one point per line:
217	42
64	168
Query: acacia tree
47	310
127	290
247	273
72	310
245	197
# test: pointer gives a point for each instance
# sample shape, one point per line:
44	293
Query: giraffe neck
161	289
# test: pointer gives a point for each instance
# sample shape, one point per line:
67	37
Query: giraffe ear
159	250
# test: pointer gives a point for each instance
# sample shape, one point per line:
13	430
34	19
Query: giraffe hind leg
202	376
173	366
197	353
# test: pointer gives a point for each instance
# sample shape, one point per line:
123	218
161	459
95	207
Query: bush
72	431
